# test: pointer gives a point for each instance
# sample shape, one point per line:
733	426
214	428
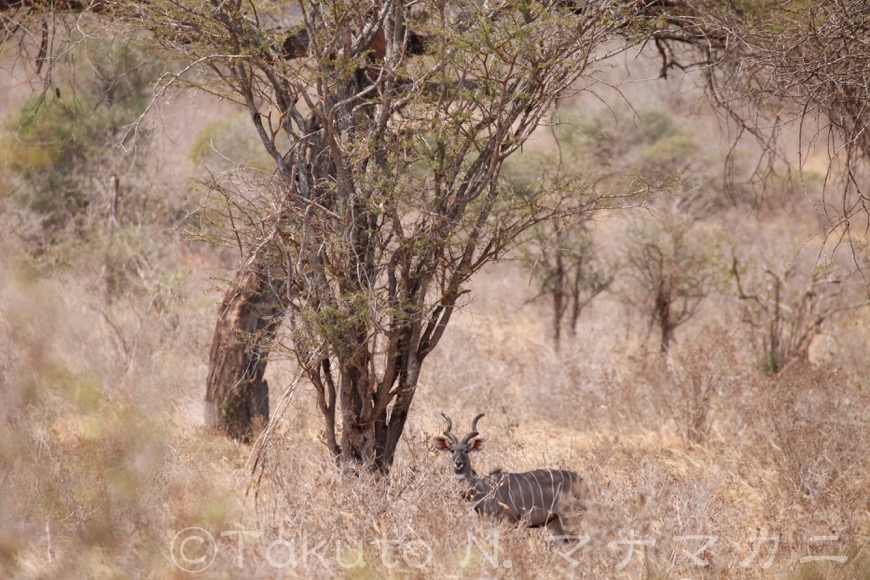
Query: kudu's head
460	448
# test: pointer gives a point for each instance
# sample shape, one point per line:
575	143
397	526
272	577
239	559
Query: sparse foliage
59	142
387	195
776	63
608	156
701	374
673	270
562	258
787	311
816	422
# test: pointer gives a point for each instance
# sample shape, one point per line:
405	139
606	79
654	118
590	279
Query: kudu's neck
477	486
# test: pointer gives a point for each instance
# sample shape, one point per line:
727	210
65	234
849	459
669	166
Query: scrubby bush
786	311
672	268
228	143
646	157
59	142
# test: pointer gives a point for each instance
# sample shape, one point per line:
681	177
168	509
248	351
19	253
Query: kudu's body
545	497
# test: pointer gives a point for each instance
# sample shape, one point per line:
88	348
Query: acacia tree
642	160
772	63
562	257
387	193
673	272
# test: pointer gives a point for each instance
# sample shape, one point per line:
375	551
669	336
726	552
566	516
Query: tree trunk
368	407
663	315
237	395
667	334
559	302
370	432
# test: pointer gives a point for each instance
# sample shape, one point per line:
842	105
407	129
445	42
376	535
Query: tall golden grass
105	463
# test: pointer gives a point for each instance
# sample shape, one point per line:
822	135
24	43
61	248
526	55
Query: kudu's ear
442	443
477	444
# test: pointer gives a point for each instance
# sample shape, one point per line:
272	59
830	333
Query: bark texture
237	395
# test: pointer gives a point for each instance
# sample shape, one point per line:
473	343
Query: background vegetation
753	425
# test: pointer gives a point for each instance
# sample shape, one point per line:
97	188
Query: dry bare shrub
811	427
788	312
673	501
816	421
700	376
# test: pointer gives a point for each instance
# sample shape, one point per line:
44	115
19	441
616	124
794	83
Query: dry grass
104	462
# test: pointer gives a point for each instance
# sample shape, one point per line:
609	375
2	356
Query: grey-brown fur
545	497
